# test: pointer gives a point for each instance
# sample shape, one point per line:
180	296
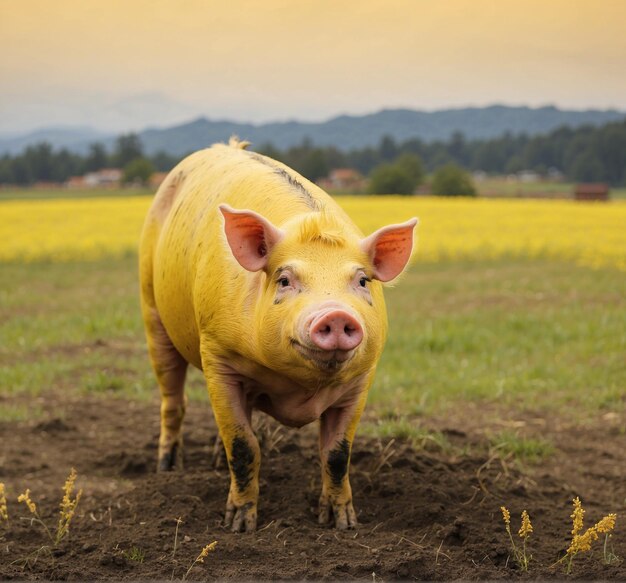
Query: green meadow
514	334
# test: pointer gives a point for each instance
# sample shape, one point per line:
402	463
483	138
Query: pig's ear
250	236
389	249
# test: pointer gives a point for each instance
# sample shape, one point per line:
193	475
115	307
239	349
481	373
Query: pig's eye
283	282
363	281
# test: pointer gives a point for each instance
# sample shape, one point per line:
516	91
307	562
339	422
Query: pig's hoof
171	460
343	514
242	518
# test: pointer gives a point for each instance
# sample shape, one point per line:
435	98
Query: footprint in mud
55	425
126	464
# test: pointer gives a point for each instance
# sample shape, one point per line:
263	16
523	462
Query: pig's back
183	234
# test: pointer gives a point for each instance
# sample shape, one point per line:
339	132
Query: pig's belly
297	408
249	385
291	412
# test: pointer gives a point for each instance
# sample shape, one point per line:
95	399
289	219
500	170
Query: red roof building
592	191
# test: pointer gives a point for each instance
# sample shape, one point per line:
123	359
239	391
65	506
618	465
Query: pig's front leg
233	417
337	429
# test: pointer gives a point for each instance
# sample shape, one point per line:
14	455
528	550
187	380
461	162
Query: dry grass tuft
522	558
67	509
581	543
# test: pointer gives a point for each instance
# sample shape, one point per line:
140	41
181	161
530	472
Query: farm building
344	180
76	182
107	177
591	191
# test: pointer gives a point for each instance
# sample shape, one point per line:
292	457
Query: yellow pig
257	277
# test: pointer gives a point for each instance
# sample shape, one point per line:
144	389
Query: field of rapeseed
584	233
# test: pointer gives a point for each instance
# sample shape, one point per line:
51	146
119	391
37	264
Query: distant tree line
41	163
585	154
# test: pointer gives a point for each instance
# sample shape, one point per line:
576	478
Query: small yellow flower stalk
524	532
67	507
25	497
32	508
526	529
4	512
506	516
205	551
577	516
581	543
200	558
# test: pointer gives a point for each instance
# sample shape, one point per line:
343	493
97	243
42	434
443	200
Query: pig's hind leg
170	369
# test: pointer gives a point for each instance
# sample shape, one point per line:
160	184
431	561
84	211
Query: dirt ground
423	514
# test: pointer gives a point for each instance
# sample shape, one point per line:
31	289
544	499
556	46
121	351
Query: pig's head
320	308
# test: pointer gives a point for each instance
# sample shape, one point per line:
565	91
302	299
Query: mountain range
344	132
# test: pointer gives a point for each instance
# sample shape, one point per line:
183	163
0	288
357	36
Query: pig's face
321	308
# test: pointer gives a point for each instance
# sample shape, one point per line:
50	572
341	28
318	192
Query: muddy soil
423	514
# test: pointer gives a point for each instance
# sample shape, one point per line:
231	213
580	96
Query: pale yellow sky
101	62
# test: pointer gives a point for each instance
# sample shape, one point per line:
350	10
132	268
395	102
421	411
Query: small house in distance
347	180
591	191
104	178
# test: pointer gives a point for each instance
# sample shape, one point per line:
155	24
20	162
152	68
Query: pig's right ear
250	237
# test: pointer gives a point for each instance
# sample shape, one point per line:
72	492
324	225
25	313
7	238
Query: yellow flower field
585	233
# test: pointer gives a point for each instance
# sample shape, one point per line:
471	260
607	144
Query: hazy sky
113	64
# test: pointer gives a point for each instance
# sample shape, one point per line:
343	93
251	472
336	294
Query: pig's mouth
329	360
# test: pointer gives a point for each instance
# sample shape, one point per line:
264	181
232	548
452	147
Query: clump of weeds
521	556
4	511
67	509
135	554
581	542
199	559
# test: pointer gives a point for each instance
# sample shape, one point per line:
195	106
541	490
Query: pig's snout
336	330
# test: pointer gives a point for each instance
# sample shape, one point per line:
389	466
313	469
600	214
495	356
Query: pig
258	278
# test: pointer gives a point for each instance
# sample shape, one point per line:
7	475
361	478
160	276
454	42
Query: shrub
391	179
138	171
451	180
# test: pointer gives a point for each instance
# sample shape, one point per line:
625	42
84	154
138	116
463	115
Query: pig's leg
337	429
233	416
170	369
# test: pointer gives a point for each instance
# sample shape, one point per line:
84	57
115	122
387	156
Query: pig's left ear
250	236
389	249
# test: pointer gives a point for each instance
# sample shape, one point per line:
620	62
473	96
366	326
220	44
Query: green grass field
501	187
490	187
513	334
48	193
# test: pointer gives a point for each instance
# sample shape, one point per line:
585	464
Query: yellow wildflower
581	543
25	497
607	524
4	513
521	557
584	233
66	503
526	528
577	516
506	515
200	558
68	506
205	551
